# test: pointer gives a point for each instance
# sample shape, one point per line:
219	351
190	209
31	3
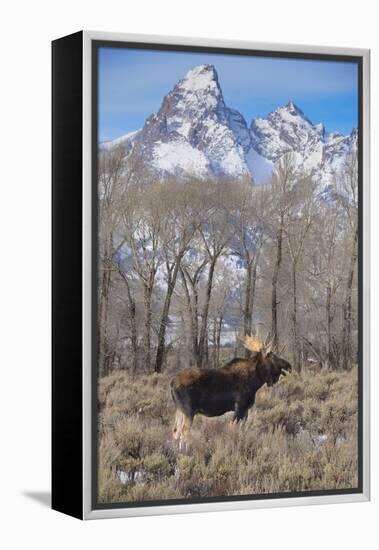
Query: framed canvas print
210	275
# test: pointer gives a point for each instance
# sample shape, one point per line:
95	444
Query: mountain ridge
195	133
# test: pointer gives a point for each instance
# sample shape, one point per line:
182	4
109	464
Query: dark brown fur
213	392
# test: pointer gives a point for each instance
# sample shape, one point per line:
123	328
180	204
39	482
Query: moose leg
240	413
179	420
184	437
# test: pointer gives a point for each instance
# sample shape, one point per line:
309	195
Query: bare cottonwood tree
247	243
281	185
217	231
300	218
183	264
141	253
192	273
179	224
111	186
220	309
347	185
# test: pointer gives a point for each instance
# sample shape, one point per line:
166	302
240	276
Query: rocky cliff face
196	133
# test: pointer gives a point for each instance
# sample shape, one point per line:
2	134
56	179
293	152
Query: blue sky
132	84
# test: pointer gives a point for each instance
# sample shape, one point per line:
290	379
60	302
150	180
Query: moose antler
252	343
267	345
255	344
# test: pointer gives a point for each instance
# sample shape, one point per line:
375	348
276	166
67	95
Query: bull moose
213	392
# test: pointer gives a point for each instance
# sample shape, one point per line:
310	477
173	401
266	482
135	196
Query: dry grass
300	436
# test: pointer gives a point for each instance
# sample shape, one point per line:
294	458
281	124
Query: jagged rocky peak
199	91
201	78
288	113
291	108
291	113
194	133
286	129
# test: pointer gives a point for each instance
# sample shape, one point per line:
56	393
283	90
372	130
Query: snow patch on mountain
196	133
260	167
126	139
180	157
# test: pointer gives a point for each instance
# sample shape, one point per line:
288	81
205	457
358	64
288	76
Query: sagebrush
301	435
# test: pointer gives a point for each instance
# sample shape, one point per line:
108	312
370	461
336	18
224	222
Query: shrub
300	436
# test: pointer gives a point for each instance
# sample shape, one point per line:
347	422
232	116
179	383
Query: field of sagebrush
301	435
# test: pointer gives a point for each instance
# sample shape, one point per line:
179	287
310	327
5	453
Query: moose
213	392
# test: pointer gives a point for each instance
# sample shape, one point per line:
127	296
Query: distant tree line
186	265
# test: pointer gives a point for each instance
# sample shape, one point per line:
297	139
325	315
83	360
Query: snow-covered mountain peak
201	78
194	133
291	106
197	93
287	129
194	96
290	114
291	109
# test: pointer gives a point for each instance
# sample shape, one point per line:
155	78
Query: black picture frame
74	434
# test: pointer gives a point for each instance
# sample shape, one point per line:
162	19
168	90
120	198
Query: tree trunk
274	294
103	351
132	320
218	340
193	314
203	340
251	281
329	324
347	351
133	326
133	337
147	332
214	339
247	306
164	317
296	358
252	299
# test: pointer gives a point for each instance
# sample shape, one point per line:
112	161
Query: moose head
270	366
